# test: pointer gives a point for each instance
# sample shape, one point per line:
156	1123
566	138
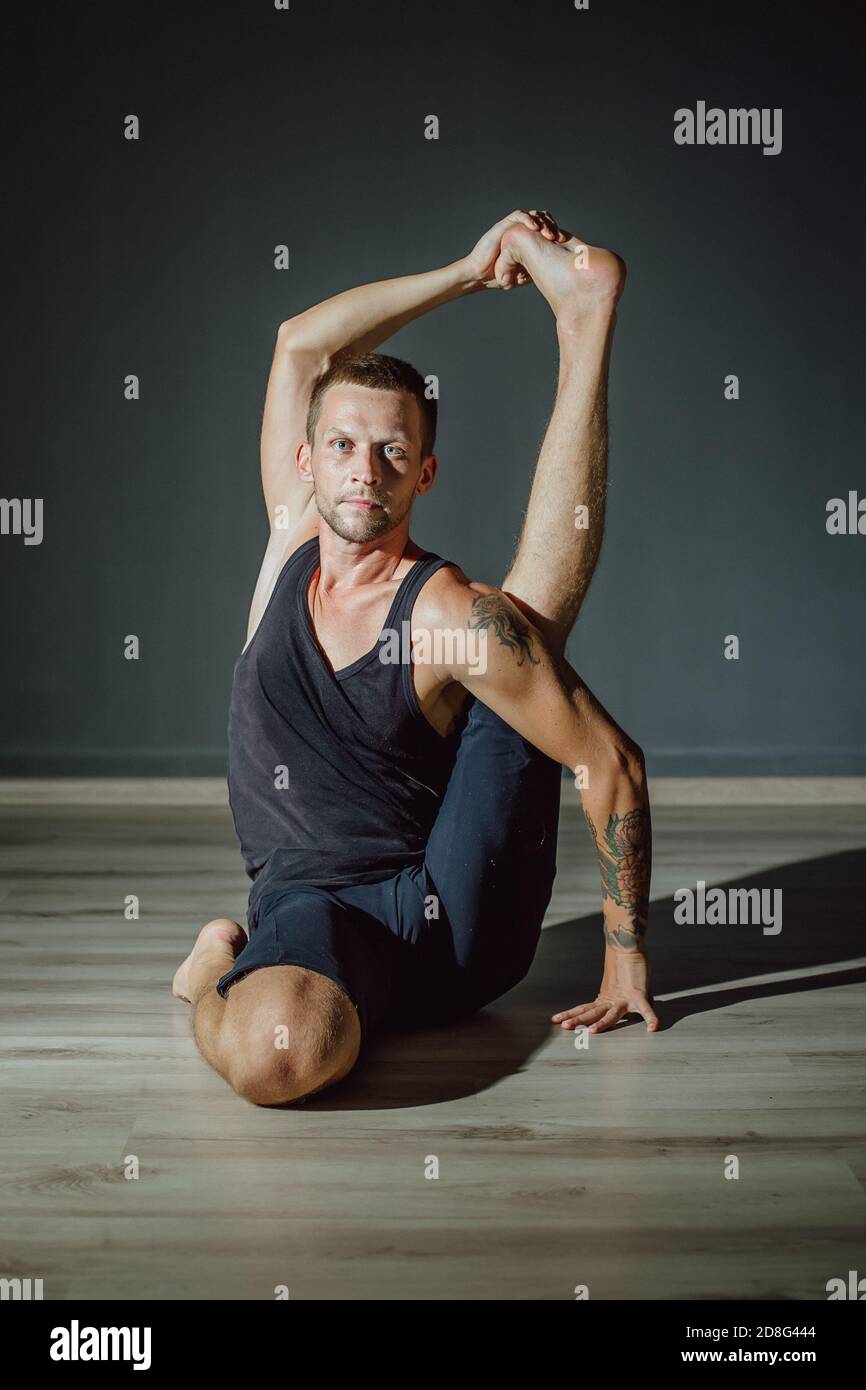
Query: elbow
294	346
288	336
632	761
625	763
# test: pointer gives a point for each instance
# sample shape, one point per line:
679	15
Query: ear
303	457
429	467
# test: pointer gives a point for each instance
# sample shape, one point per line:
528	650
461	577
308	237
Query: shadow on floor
823	919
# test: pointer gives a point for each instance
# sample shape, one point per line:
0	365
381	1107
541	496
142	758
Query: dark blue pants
440	940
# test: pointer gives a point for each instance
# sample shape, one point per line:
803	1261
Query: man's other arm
356	320
504	661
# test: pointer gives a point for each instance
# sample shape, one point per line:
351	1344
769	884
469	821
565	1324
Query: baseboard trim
113	791
750	791
212	791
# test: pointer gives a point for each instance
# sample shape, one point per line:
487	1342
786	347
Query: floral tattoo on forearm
491	612
624	854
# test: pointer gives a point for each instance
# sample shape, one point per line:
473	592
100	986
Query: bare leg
281	1034
559	544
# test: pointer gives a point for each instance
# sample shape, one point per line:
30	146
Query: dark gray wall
306	127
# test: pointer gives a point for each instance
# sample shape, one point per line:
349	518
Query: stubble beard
358	525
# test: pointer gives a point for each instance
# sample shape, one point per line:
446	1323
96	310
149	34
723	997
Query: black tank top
334	777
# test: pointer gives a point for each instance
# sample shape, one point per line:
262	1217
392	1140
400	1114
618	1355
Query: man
399	816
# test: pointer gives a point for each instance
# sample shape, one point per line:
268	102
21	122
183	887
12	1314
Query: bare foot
571	275
217	944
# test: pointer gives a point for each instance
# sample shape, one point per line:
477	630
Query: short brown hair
383	373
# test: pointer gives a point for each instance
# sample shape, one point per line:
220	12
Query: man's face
366	460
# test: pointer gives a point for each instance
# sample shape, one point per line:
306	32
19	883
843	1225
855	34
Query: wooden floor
557	1167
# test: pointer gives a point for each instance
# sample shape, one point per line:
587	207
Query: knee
279	1062
271	1076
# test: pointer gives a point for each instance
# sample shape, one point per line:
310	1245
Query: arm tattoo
490	611
624	854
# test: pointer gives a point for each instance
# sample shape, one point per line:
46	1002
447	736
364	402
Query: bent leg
491	862
276	1015
281	1034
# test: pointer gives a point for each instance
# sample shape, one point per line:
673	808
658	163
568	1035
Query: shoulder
441	594
450	599
473	628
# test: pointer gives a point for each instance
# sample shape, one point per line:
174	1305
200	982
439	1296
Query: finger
549	227
560	236
563	237
612	1016
506	268
517	218
645	1009
543	220
581	1008
591	1013
529	219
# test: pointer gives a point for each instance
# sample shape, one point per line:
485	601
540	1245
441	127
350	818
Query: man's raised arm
356	320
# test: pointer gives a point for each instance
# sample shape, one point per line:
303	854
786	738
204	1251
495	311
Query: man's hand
623	991
485	253
572	275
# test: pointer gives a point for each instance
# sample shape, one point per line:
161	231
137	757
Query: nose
365	466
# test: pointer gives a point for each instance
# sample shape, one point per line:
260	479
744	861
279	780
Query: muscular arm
507	665
356	320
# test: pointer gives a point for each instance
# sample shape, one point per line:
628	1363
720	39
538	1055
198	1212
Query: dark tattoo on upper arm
624	853
491	611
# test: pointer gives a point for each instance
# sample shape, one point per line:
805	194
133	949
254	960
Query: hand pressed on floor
624	990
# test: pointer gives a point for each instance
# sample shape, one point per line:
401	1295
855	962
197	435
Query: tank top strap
417	577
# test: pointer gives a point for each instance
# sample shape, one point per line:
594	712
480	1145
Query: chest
347	626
